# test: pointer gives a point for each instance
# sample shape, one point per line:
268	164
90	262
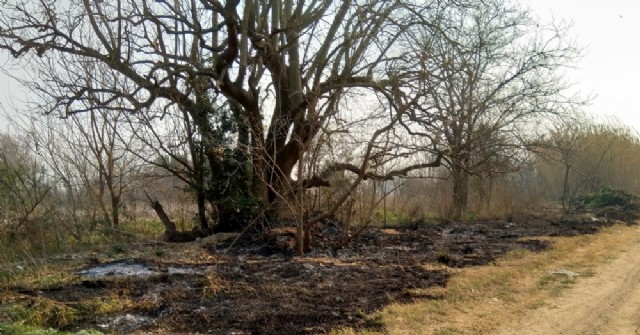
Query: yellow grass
479	299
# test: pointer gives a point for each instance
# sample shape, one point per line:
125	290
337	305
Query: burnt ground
257	287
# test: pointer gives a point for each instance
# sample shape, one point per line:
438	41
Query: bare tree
85	155
494	77
585	157
87	152
220	65
23	183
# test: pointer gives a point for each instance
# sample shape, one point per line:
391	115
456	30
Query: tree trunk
202	212
169	226
300	236
565	190
489	194
115	210
170	232
460	193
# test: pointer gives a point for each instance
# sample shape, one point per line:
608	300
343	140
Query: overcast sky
610	69
610	32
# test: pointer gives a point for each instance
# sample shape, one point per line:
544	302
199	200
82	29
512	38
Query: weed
110	304
556	284
41	312
158	251
213	285
360	313
515	254
438	307
37	276
147	228
303	291
608	197
114	250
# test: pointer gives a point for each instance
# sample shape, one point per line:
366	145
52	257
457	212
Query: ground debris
565	273
127	323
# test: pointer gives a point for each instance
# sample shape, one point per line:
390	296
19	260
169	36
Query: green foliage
584	164
608	197
227	169
231	192
391	218
115	250
158	251
148	228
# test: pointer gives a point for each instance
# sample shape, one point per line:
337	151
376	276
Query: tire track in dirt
606	304
626	319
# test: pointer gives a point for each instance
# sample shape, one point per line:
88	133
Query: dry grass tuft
38	311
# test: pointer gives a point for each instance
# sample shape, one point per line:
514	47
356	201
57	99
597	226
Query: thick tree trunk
202	212
99	198
169	226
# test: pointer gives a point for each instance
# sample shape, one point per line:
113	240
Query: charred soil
257	287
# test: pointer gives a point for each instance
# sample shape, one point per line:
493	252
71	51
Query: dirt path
605	304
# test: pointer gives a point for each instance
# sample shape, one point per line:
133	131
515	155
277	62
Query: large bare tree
222	64
494	76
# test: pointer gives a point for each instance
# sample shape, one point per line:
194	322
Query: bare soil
605	304
257	287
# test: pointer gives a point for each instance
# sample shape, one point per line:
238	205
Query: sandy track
606	304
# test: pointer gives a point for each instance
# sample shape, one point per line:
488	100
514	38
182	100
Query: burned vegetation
255	285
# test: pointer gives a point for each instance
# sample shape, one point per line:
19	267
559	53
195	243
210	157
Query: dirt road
606	304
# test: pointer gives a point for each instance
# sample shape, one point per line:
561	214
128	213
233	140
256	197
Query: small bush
611	204
608	197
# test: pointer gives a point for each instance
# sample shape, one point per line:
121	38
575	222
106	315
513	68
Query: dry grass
477	300
36	276
37	311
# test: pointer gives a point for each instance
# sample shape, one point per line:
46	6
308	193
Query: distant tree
493	76
564	142
86	155
580	158
24	186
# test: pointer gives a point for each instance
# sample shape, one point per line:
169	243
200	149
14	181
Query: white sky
610	69
609	30
10	92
